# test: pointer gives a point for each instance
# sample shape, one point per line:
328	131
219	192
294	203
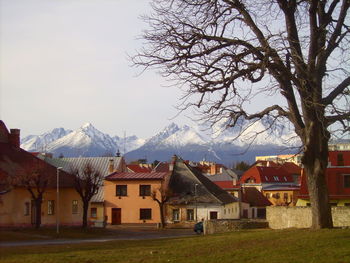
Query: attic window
266	178
285	178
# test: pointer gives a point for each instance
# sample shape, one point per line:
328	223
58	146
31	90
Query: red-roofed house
17	204
338	180
128	197
278	182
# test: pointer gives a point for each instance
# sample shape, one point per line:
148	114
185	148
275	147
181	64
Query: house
293	158
279	182
18	170
105	166
338	180
129	197
257	203
194	197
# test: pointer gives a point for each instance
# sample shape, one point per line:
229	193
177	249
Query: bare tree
87	181
227	53
161	196
35	177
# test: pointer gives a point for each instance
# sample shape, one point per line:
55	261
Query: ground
293	245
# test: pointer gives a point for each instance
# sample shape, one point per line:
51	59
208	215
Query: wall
227	225
130	205
12	208
280	217
228	211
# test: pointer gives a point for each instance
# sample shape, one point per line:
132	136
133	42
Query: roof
263	174
226	185
135	176
188	185
276	187
15	161
254	197
162	167
138	169
101	164
291	168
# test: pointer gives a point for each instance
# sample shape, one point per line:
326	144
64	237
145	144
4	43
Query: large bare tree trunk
85	214
315	161
38	202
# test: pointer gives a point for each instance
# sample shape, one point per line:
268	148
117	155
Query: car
198	227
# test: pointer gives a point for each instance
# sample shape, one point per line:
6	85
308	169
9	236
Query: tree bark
162	219
38	203
315	161
85	214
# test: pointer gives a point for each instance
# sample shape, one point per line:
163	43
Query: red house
338	180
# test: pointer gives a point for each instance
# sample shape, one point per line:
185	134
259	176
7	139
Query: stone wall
280	217
227	225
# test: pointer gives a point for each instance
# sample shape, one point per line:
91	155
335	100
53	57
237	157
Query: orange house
128	197
16	203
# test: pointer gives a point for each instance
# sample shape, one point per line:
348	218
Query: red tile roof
138	169
136	176
254	197
262	174
162	167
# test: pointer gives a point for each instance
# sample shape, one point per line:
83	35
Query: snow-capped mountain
217	143
41	142
85	141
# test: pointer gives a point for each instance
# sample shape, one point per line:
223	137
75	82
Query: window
190	214
266	178
276	195
145	213
26	208
176	215
346	204
93	212
121	190
285	196
145	190
50	207
267	195
346	180
75	207
285	178
340	159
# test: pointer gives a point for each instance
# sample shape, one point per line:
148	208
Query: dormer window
346	180
285	178
266	178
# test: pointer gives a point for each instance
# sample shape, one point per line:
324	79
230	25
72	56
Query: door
213	215
116	216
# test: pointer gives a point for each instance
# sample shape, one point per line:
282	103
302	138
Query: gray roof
188	185
101	164
226	175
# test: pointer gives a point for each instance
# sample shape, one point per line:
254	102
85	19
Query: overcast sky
64	63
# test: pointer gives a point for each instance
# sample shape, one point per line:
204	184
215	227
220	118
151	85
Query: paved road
120	234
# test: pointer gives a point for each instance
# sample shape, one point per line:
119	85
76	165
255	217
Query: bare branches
225	52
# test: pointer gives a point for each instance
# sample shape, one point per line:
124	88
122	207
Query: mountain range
216	143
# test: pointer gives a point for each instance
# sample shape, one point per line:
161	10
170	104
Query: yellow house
128	197
105	166
22	172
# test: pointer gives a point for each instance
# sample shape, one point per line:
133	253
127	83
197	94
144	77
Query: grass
273	246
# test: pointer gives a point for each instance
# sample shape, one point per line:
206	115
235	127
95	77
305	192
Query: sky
65	62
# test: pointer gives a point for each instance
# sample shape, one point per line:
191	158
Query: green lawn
243	246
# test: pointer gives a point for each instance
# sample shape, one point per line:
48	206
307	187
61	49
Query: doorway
116	216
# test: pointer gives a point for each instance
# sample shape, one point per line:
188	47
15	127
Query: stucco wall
131	204
12	208
280	217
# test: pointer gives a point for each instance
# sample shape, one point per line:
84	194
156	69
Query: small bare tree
227	53
87	182
164	195
35	177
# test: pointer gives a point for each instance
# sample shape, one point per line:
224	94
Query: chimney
111	166
14	137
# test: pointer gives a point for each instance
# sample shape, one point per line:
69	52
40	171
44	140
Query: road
121	233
